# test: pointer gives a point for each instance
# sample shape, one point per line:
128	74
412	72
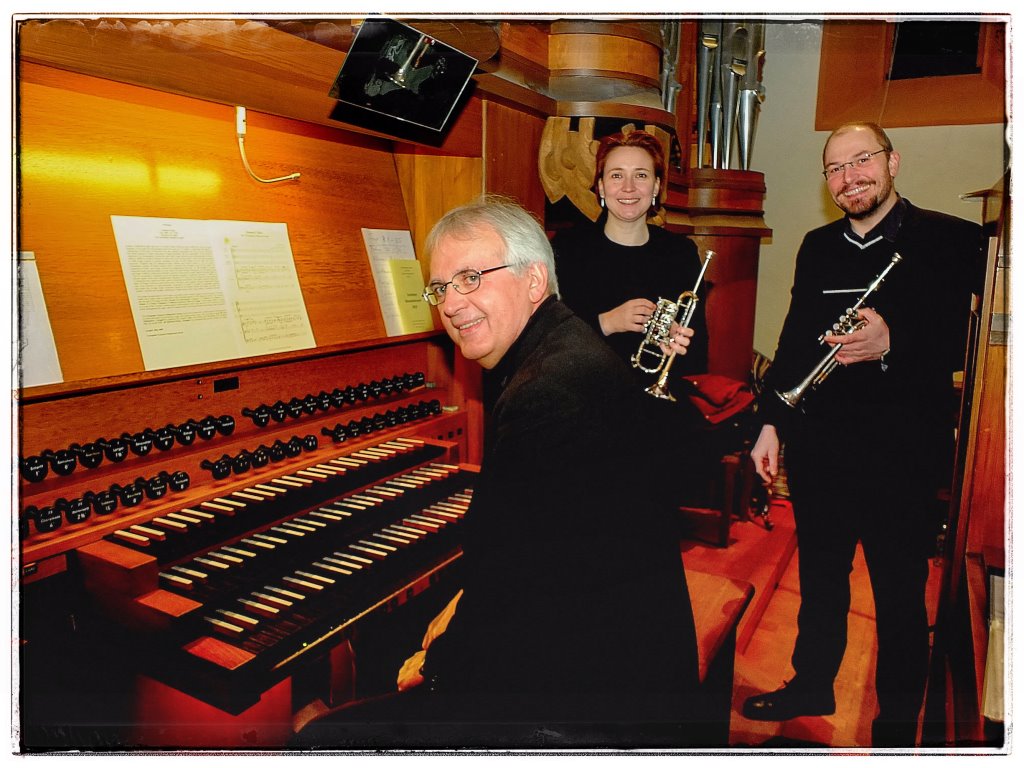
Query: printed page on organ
202	291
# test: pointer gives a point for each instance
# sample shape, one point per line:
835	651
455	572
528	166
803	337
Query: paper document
37	352
399	281
203	291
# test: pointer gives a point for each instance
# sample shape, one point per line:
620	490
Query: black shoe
788	702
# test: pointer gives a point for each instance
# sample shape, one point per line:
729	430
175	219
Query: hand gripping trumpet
848	323
658	333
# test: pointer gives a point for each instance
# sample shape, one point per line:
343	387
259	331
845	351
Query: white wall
938	165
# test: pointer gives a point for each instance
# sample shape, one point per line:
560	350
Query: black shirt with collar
925	301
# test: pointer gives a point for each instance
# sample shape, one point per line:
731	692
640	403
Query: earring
654	201
602	201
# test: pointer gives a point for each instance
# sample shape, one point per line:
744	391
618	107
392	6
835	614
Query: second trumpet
848	323
658	333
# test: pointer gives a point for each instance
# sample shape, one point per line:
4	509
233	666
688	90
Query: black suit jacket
906	410
575	603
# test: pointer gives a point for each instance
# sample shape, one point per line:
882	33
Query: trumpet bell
660	391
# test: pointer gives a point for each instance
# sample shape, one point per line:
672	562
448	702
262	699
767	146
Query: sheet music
399	281
37	352
202	291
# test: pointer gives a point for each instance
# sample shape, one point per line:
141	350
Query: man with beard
867	449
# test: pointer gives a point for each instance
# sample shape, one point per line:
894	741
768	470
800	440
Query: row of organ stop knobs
89	455
50	517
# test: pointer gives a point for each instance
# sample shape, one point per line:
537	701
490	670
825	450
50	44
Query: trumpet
848	323
658	331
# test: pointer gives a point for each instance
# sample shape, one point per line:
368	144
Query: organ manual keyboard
199	584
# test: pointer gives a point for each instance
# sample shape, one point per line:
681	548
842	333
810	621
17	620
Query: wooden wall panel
227	61
434	184
89	148
512	139
853	82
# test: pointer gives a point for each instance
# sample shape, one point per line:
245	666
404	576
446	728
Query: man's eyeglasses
834	171
466	281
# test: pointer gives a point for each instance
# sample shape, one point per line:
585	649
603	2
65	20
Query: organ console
248	522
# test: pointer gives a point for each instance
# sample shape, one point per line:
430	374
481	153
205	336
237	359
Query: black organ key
212	563
390	539
190	573
231	560
250	495
244	554
277	561
217	507
190	521
169	524
224	626
151	533
257	545
259	607
223	500
274	601
327	567
176	581
130	537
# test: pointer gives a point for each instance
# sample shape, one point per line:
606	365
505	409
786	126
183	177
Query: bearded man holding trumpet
864	410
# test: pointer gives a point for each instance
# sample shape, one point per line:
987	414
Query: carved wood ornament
567	161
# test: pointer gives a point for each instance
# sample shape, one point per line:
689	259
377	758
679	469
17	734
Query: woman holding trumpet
613	271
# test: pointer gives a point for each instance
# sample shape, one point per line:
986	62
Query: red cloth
718	397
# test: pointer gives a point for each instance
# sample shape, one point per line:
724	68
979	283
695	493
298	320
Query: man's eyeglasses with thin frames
834	171
466	281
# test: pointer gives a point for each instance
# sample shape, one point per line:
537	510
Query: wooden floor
768	560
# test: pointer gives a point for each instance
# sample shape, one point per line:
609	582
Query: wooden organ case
157	609
134	481
194	548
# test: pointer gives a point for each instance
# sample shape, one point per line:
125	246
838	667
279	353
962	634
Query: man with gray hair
573	626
